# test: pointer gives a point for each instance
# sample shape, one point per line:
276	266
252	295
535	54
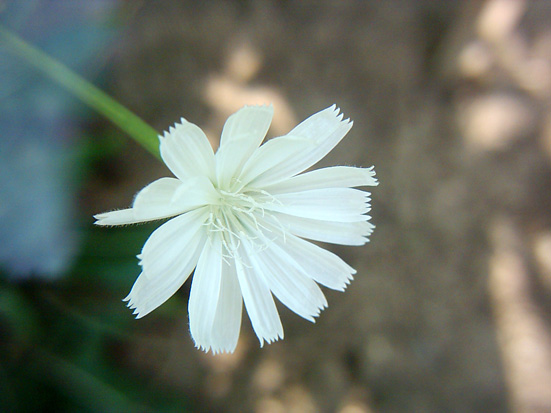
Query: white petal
258	302
321	127
153	201
193	193
187	152
321	265
205	293
288	280
324	130
167	259
227	321
248	122
333	177
243	132
163	198
275	161
345	233
168	243
120	217
334	204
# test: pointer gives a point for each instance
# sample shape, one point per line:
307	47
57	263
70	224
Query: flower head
240	218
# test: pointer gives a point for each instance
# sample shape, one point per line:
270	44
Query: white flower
238	217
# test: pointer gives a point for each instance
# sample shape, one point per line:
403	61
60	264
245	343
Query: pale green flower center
235	218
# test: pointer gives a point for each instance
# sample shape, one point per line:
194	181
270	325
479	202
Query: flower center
235	218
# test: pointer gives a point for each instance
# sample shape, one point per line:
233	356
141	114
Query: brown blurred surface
450	308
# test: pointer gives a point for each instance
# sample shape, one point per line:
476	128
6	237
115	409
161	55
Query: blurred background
451	307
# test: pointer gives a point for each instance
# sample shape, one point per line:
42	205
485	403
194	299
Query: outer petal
187	152
334	204
205	294
243	132
333	177
324	131
275	161
162	198
288	280
120	217
258	302
167	258
227	321
321	265
345	233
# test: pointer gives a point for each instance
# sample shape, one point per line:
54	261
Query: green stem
98	100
